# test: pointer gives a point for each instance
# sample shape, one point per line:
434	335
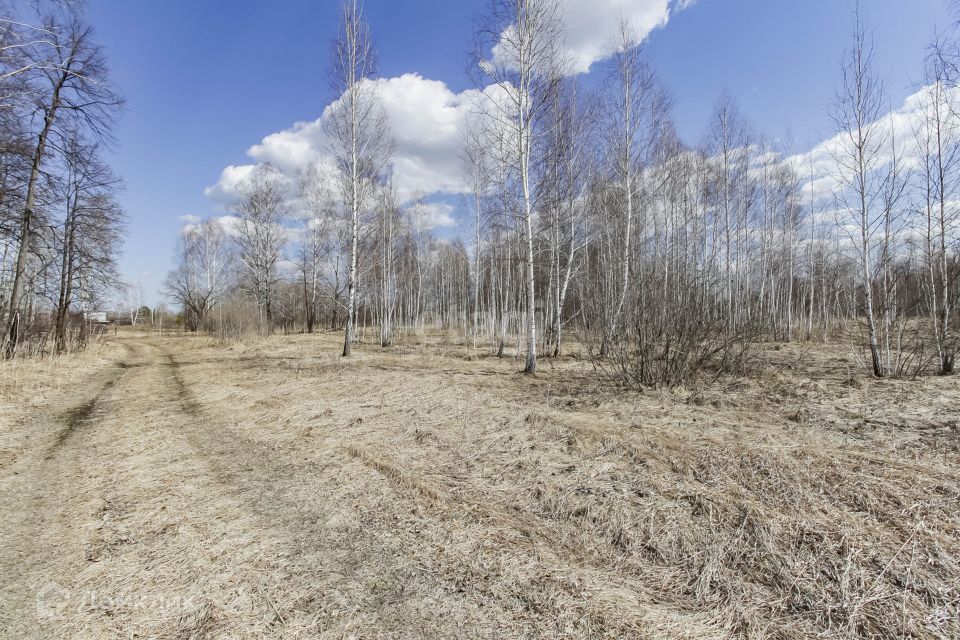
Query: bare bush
672	342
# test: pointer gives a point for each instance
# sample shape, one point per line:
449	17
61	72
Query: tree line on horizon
585	217
588	216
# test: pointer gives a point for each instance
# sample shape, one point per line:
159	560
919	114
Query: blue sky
206	80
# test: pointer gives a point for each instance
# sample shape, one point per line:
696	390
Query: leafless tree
130	300
388	222
937	138
858	158
358	132
476	161
728	148
518	52
261	236
203	273
314	242
93	222
569	171
70	90
635	111
417	221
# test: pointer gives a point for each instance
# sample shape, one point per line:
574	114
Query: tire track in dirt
75	417
333	548
421	505
152	488
175	501
39	499
609	599
173	552
178	506
120	521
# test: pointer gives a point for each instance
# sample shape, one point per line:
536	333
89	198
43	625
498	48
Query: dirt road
192	491
143	515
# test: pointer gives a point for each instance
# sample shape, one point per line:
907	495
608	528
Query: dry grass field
174	488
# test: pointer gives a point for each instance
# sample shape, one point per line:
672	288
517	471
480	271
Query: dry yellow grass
272	489
31	390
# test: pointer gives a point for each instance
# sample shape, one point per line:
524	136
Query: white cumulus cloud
817	167
591	26
226	189
426	120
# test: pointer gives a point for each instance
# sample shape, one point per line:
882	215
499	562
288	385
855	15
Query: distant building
96	317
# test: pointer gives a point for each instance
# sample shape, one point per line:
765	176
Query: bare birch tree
388	222
518	52
937	138
202	276
566	181
635	111
261	236
315	243
477	161
358	133
728	148
858	158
